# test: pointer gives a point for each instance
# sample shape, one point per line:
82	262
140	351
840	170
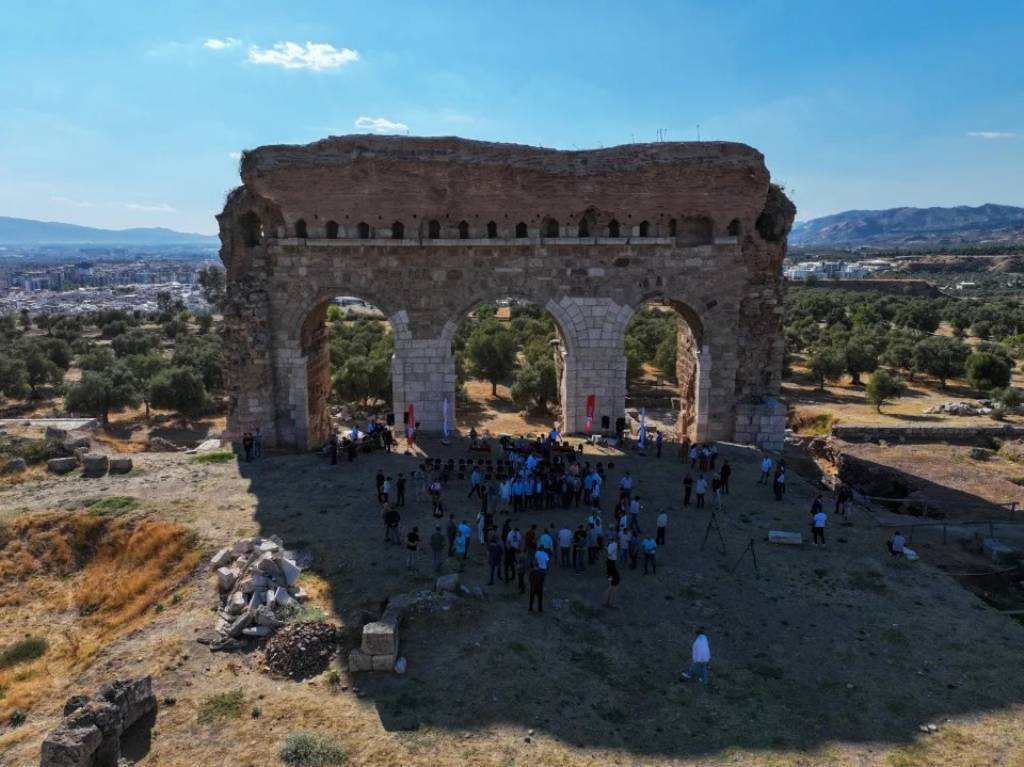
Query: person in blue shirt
650	548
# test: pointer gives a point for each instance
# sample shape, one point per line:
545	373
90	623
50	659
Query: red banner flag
591	406
410	424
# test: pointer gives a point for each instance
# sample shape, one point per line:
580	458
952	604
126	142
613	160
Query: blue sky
129	114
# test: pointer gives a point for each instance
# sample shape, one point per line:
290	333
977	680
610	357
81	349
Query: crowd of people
616	532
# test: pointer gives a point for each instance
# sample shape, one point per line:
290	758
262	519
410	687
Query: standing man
687	489
465	530
537	588
436	547
611	566
725	473
380	486
658	439
650	548
766	470
626	485
386	489
247	446
634	515
662	523
412	545
564	547
818	524
494	556
400	487
453	533
701	487
701	657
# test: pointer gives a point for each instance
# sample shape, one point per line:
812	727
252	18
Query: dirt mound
301	650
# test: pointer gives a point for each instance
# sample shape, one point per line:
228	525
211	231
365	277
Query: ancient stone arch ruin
428	228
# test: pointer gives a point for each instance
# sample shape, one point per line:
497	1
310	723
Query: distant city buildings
103	274
834	270
82	287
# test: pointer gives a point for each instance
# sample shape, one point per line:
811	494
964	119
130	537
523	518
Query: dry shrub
87	580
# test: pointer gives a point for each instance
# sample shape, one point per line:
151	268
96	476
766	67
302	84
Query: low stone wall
90	734
954	435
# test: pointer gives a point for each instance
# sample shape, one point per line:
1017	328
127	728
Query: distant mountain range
913	227
24	231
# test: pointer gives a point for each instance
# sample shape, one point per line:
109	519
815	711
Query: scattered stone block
226	578
75	444
61	465
379	639
220	558
161	445
785	537
290	571
14	466
94	465
269	547
258	631
282	597
448	583
242	546
121	464
237	602
384	662
360	661
999	552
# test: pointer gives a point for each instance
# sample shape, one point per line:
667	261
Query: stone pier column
593	330
422	373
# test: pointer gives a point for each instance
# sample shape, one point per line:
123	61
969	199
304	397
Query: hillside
24	231
913	227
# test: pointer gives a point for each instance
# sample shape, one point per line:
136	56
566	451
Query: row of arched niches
690	230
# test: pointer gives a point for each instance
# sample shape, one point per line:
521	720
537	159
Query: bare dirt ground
823	656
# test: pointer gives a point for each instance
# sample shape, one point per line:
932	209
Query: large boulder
62	465
53	434
120	464
14	466
94	465
74	444
161	445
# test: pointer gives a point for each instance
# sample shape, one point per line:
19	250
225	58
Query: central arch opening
348	344
662	370
508	364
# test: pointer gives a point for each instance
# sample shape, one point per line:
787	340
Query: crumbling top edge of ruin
342	150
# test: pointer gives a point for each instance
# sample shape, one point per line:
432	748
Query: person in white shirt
818	527
626	485
700	487
634	514
612	569
700	658
662	523
766	470
897	544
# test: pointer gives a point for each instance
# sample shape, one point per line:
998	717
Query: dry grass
82	581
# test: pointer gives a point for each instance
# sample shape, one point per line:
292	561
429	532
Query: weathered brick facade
428	228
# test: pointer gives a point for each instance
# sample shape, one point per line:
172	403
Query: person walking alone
700	658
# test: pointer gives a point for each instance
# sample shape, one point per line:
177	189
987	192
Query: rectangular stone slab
379	639
785	537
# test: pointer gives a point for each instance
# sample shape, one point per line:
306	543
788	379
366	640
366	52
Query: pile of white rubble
257	584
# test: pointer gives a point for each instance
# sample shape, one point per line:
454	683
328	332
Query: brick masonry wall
727	287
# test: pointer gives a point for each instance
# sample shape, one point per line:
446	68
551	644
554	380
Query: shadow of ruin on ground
819	645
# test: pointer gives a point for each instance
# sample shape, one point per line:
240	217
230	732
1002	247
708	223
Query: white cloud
219	44
314	56
235	155
71	202
159	207
989	135
380	125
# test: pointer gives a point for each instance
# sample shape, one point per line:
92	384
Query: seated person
896	544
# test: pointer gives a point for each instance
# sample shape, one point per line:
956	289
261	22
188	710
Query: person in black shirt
412	545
